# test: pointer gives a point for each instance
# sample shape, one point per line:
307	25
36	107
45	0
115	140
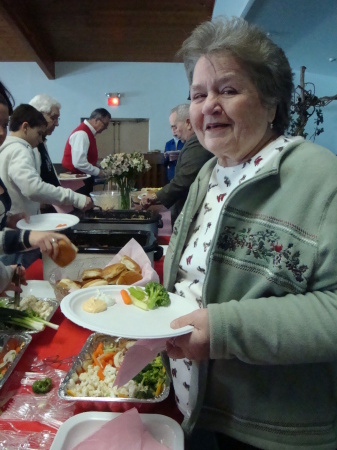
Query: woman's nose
211	104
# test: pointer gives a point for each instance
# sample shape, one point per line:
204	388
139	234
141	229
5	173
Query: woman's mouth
214	126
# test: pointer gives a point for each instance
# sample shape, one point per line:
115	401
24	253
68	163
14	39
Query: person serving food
256	247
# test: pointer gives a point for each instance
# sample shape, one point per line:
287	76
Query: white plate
127	320
81	426
38	288
73	177
48	222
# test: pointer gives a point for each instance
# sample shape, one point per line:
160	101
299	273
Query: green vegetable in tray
42	386
153	296
153	376
26	319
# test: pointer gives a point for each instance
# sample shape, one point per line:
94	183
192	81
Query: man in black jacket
191	158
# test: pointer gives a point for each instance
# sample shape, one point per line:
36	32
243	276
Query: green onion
25	319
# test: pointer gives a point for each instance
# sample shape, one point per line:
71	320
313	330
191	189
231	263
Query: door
124	136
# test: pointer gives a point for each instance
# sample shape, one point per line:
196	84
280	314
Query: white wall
149	91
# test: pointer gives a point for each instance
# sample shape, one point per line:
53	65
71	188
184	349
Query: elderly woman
256	247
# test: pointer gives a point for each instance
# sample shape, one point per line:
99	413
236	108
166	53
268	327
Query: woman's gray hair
265	62
183	112
44	103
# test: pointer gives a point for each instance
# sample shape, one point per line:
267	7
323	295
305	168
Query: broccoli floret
152	376
158	295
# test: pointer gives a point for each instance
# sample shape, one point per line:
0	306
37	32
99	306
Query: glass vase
125	187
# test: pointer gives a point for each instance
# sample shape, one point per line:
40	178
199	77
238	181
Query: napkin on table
125	432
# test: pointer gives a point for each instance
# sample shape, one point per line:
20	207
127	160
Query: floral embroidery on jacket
264	245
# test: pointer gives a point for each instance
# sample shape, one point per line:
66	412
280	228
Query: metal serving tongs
17	281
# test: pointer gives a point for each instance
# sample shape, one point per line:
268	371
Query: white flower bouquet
123	169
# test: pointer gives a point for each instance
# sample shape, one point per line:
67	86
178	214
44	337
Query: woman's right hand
194	345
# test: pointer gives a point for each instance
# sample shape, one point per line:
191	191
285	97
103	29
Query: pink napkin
135	251
73	184
64	209
125	432
137	357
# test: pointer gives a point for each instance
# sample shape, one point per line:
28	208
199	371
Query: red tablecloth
66	342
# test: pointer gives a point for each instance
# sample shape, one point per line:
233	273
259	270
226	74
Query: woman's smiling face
226	112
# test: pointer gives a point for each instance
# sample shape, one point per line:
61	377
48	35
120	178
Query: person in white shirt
80	152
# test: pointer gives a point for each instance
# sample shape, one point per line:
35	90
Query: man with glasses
80	152
50	108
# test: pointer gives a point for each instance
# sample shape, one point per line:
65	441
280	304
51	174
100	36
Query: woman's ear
189	125
272	114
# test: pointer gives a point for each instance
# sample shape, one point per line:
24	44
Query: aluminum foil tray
53	303
10	341
84	356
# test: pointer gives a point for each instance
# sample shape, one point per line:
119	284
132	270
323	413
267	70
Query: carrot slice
126	297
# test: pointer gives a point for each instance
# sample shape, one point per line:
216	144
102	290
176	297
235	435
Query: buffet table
56	349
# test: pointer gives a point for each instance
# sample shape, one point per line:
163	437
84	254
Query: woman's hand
47	241
13	219
195	345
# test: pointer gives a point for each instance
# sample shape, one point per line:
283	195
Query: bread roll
66	283
131	264
110	272
91	274
113	280
66	254
97	282
129	277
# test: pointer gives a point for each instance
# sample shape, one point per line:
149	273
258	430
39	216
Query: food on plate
66	283
92	273
99	369
130	264
67	253
98	302
42	386
27	319
97	282
129	277
60	225
94	305
126	297
153	296
151	189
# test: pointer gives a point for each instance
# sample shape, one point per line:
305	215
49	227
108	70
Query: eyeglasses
106	124
54	117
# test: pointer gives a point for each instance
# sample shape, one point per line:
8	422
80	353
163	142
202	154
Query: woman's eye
198	96
228	91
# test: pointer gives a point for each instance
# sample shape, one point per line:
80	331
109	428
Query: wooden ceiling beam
29	39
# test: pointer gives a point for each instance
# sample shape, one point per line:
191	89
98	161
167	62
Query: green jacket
191	158
271	293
